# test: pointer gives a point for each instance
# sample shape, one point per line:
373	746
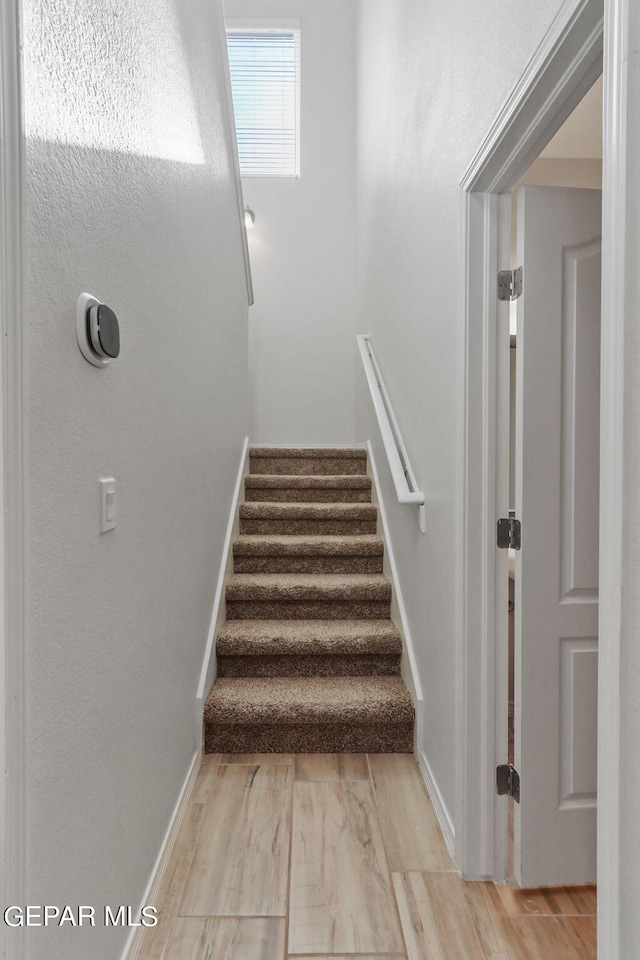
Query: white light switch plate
107	503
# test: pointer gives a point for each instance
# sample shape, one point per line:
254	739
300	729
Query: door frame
12	472
566	63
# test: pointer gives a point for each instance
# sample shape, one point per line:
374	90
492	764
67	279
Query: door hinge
510	284
508	781
509	533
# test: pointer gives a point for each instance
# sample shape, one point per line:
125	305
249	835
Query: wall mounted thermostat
97	330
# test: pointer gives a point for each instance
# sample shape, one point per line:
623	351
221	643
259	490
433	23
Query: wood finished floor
340	857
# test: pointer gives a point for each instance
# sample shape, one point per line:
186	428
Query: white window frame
276	25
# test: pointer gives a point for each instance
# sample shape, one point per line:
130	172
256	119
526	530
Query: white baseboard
444	819
208	672
132	946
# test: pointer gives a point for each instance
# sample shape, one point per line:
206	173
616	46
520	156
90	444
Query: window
265	80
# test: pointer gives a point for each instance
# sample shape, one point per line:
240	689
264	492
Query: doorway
554	404
561	71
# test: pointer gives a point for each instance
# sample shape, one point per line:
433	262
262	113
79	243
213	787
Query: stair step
308	648
301	596
321	637
309	701
308	519
304	715
292	488
309	460
308	658
308	554
301	665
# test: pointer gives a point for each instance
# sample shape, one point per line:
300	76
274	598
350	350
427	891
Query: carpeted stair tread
292	481
303	488
287	553
304	637
306	461
255	510
312	665
309	701
286	545
306	453
323	587
308	518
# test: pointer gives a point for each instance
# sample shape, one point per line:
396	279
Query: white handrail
404	479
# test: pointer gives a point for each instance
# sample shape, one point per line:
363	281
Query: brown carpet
308	659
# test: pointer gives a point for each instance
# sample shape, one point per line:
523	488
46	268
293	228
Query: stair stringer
219	611
408	667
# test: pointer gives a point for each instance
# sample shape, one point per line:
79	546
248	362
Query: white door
557	493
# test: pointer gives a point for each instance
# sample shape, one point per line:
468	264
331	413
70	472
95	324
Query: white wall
302	325
130	196
431	79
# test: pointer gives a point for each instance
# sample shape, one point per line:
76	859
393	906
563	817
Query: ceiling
580	136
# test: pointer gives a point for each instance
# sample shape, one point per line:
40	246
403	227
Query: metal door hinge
508	781
509	533
510	284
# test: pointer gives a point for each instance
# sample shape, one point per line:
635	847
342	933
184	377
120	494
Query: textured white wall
130	196
302	325
431	79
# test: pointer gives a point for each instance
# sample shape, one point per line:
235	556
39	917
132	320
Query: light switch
108	503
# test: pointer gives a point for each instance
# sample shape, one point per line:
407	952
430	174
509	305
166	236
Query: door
557	494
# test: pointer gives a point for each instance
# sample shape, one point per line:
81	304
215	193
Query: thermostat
97	330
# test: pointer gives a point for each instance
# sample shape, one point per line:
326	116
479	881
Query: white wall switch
107	503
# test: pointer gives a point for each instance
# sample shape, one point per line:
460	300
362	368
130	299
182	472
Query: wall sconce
249	217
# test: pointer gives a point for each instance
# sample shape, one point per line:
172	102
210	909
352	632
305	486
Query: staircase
308	658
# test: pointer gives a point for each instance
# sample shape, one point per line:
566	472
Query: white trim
444	818
620	297
152	890
233	148
411	677
565	64
477	643
218	614
12	521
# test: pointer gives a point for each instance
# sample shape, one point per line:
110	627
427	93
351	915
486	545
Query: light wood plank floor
340	858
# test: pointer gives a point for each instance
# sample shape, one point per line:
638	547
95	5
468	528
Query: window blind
265	80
